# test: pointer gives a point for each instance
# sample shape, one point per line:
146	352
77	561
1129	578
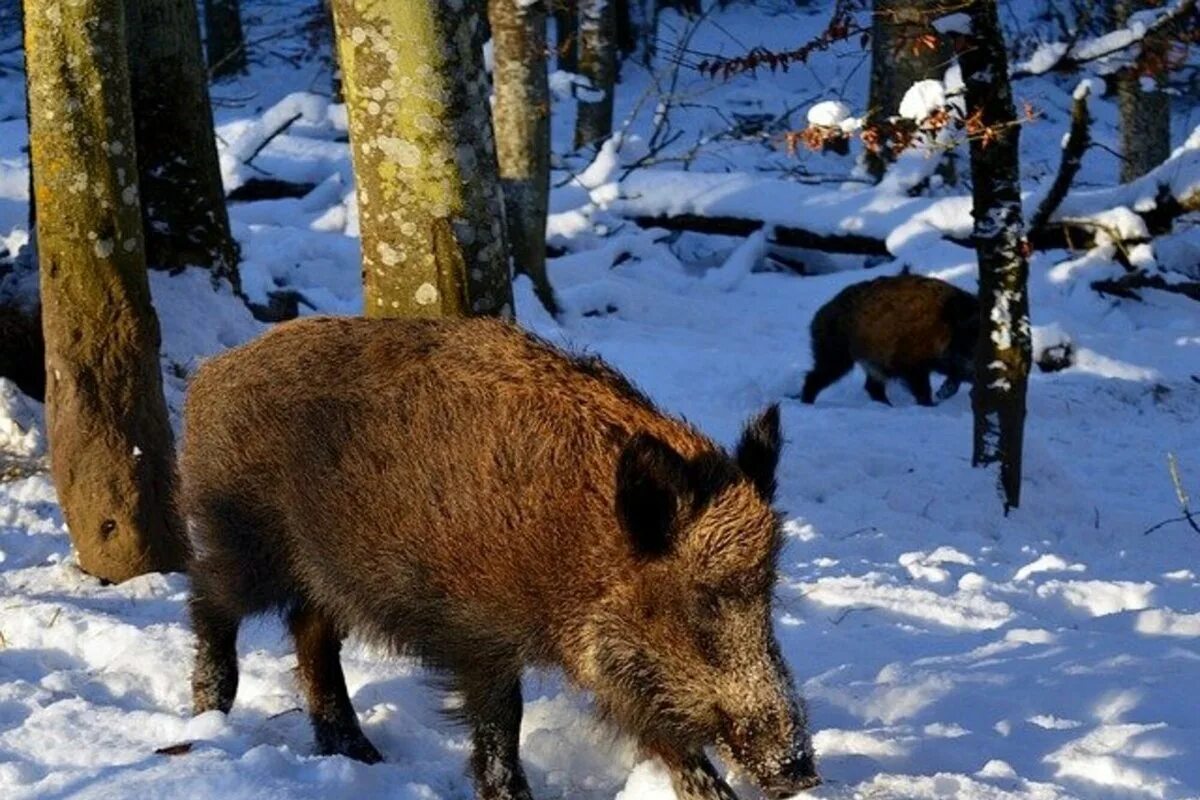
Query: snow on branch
1177	20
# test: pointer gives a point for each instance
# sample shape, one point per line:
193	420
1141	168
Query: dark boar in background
460	491
905	327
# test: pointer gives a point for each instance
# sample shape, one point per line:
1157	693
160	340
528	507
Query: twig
1077	144
1181	495
271	137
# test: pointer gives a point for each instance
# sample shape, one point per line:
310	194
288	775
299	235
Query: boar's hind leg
695	778
829	367
215	673
875	388
318	657
492	706
917	381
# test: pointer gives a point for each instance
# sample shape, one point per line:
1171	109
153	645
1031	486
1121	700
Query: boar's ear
758	451
652	481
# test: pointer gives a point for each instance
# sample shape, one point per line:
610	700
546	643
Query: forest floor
946	650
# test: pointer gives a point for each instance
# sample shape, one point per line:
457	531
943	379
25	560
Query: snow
922	99
946	650
828	112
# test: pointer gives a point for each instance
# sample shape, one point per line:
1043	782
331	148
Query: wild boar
905	326
462	492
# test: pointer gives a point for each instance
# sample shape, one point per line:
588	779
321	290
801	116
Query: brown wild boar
460	491
904	326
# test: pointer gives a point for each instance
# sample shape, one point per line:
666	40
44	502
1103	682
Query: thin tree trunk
110	443
183	201
898	60
224	39
429	204
1003	355
566	34
597	63
1145	108
522	117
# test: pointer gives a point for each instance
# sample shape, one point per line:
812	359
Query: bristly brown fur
464	492
905	326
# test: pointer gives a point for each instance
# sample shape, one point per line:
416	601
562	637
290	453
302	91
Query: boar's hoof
351	744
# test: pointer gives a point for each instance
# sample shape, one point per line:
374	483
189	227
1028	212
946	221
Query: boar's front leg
319	663
492	706
694	777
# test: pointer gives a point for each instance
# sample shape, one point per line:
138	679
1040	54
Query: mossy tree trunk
110	442
597	63
522	114
1003	354
183	202
223	38
899	58
1145	107
429	204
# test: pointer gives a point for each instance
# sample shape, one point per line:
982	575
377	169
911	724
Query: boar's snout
775	750
795	775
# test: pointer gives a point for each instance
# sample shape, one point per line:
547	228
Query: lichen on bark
429	204
111	446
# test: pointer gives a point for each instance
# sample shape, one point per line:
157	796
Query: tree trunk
566	34
110	443
1003	354
597	63
183	201
898	60
429	205
522	117
1145	107
224	39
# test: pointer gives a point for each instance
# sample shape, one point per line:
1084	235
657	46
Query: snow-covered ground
947	651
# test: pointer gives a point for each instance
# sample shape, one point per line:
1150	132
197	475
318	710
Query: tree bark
566	34
522	117
1145	108
183	202
1004	352
898	60
597	63
429	204
110	442
224	39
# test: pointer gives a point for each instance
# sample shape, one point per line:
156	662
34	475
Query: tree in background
1145	107
183	201
522	118
597	63
566	34
429	203
1003	356
223	38
902	53
110	442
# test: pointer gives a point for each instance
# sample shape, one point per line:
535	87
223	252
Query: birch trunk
110	443
429	203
